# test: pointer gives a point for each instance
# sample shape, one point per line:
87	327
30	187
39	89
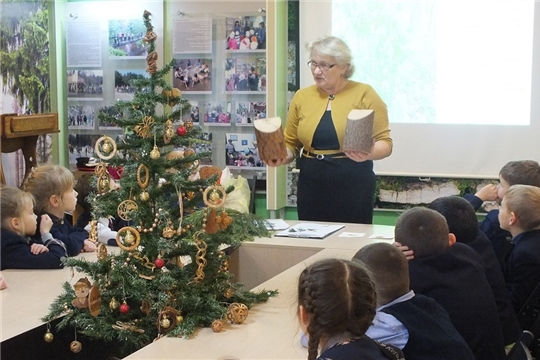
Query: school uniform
73	237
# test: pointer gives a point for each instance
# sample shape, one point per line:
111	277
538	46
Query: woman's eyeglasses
323	66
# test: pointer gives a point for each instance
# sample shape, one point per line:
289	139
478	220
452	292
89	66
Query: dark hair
521	172
389	270
84	187
423	230
460	217
338	296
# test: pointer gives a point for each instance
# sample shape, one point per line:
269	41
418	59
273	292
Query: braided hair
339	297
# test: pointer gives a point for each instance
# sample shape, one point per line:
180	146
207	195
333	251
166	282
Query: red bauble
181	130
124	308
159	262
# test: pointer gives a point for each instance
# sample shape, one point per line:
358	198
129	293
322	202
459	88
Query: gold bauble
129	238
168	232
75	346
114	304
48	336
165	322
144	196
217	326
189	125
228	293
176	92
103	184
179	319
106	148
237	313
154	154
169	132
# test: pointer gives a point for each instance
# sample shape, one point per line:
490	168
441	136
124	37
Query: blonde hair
336	48
13	202
524	202
45	181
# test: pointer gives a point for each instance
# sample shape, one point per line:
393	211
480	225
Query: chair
520	351
252	186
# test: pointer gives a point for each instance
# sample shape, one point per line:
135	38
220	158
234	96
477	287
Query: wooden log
270	140
359	131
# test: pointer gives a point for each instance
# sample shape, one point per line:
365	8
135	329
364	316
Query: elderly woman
333	185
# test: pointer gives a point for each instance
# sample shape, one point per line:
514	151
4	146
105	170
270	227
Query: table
271	329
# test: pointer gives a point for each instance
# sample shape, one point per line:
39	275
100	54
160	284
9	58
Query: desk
29	294
271	330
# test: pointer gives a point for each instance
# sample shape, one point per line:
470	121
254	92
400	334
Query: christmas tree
171	275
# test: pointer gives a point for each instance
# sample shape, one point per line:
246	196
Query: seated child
19	221
453	274
520	215
84	187
336	305
463	223
523	172
415	323
53	189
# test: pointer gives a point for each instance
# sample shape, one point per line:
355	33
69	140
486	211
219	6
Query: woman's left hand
358	156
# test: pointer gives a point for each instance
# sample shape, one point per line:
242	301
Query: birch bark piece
270	140
359	131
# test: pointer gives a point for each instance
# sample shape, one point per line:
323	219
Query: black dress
334	189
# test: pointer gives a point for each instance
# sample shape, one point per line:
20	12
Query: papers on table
310	230
276	224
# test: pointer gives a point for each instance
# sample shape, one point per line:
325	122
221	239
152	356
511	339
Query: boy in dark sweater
463	223
415	323
453	274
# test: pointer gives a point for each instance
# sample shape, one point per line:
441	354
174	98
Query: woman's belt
338	155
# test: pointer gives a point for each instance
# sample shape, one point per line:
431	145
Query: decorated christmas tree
170	275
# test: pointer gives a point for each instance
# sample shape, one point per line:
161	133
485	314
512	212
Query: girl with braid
336	305
53	189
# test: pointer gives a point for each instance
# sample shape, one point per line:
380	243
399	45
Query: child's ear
513	219
304	316
451	239
54	200
15	223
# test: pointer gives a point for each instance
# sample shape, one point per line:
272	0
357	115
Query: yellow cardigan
309	104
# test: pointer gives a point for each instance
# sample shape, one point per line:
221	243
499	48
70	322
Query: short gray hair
335	47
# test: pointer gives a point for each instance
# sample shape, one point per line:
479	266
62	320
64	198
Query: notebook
310	230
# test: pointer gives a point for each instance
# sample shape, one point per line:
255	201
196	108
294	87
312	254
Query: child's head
334	296
17	211
52	187
83	187
521	172
389	270
424	231
460	217
520	209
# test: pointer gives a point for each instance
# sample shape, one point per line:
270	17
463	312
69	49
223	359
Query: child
336	304
523	172
520	215
19	221
52	187
83	189
416	324
463	223
453	275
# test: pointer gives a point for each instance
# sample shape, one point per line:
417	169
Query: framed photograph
81	145
241	150
193	75
126	39
123	90
85	84
217	114
245	75
245	33
81	117
194	112
247	111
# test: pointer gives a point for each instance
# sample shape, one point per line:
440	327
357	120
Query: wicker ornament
114	304
155	154
105	148
75	347
128	238
94	301
125	208
217	326
237	313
